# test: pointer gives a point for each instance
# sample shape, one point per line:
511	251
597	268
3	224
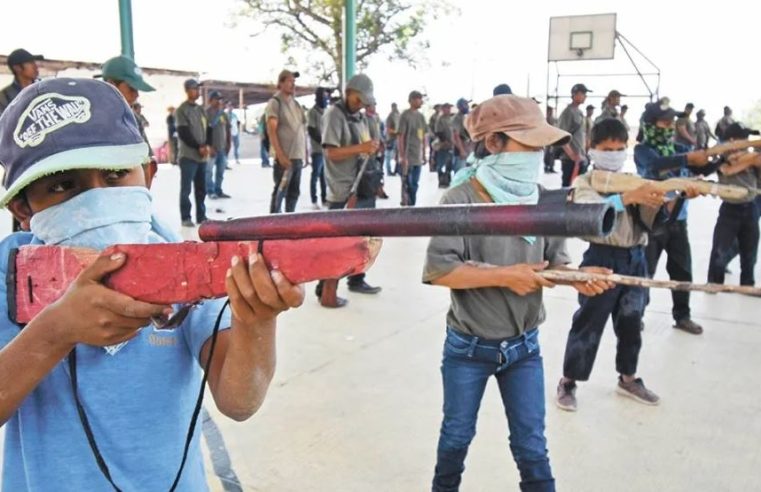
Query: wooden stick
571	276
732	146
610	182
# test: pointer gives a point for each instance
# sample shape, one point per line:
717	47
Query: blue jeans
192	173
413	181
459	163
236	147
217	165
467	365
624	303
318	175
291	194
388	155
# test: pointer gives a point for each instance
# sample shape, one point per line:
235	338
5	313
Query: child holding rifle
496	294
93	398
623	252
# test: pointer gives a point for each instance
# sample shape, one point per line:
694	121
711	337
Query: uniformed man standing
23	66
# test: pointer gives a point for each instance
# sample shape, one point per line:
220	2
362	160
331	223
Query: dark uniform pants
736	227
674	240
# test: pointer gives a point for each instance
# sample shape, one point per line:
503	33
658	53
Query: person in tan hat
496	294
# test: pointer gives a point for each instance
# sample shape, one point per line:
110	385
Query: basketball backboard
582	37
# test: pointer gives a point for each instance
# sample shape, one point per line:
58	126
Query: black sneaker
364	288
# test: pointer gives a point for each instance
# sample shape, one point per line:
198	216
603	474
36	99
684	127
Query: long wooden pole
571	276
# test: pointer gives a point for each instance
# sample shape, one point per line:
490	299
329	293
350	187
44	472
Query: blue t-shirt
652	165
139	402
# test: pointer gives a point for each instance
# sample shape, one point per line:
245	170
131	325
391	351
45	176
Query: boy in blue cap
93	397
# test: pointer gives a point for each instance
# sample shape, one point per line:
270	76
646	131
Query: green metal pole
125	23
350	39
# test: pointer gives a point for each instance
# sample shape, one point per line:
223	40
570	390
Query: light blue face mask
98	218
509	177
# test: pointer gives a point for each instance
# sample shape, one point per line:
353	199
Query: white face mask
97	218
607	160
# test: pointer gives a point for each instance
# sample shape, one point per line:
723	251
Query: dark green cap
124	69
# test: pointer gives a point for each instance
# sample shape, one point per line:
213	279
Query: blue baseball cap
63	124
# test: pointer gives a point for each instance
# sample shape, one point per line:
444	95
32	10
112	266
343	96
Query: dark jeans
173	150
444	166
549	159
215	173
318	174
467	365
264	147
673	239
359	278
567	167
192	172
625	303
292	190
737	226
413	182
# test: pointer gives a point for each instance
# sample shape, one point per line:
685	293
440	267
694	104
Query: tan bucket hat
518	117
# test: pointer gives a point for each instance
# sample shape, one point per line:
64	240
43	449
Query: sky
705	54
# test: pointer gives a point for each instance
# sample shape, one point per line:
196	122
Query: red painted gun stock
177	273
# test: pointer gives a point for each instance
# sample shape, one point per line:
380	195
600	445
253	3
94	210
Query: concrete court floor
356	401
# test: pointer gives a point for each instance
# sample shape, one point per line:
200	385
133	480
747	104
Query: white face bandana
608	160
98	218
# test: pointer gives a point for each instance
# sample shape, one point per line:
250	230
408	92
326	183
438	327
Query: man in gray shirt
192	131
685	128
347	143
573	161
314	127
392	128
411	139
219	127
23	66
286	128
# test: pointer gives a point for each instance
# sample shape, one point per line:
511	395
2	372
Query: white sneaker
316	206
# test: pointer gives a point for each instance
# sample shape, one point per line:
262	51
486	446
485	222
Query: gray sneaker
188	223
566	397
689	326
636	391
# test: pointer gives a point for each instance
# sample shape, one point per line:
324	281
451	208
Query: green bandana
661	139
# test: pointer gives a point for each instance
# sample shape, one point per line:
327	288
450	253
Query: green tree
390	27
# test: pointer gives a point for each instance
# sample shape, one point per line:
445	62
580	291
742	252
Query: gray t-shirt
443	132
219	123
749	178
572	121
314	120
412	128
686	123
702	133
291	125
490	313
194	117
392	125
342	130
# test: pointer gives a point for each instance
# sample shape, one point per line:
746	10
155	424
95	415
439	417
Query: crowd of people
98	169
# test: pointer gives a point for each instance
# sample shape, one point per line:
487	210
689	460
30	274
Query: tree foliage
315	27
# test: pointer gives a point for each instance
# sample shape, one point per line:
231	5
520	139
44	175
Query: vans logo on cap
48	113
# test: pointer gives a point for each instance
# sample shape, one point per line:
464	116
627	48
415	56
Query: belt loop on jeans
472	348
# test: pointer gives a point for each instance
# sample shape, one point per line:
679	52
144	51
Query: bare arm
520	278
245	357
682	129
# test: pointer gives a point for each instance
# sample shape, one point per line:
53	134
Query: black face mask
321	100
